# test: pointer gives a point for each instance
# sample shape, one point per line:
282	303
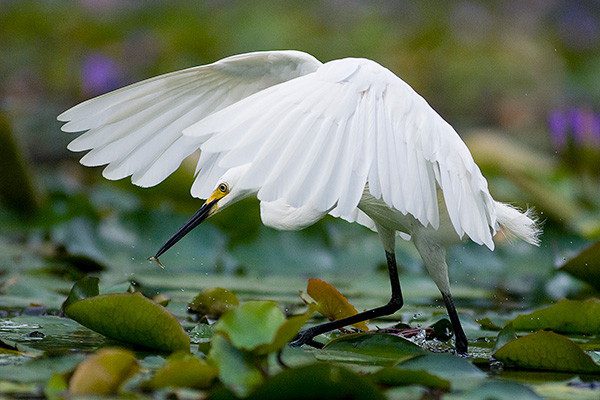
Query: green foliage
317	381
128	317
183	370
566	316
372	347
546	351
213	302
585	265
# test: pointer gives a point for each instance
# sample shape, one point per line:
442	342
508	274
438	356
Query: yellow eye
223	188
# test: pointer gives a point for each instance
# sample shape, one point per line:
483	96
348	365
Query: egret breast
279	215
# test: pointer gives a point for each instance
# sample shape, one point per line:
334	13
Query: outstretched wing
136	130
319	139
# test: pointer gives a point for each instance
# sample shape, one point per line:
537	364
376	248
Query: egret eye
223	188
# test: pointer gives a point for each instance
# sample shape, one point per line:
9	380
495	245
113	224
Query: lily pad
461	373
371	347
183	370
331	303
103	373
498	390
213	302
317	381
546	351
128	317
393	376
236	368
566	316
252	324
286	332
585	265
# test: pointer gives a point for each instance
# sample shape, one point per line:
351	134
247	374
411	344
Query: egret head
224	194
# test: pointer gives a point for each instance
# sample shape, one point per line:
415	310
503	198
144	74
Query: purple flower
581	125
558	123
100	74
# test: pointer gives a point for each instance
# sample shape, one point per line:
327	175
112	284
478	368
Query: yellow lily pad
331	303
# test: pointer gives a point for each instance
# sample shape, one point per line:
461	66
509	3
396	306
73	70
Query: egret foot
461	341
306	336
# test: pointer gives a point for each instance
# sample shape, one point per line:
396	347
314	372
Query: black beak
193	222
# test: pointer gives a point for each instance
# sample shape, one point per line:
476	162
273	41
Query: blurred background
518	79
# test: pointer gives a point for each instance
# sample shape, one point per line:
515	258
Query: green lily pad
286	332
128	317
371	347
213	302
183	370
82	289
317	381
103	373
393	376
566	316
497	390
546	351
252	324
461	373
237	370
585	265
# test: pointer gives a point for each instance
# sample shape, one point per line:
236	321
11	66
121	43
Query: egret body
346	138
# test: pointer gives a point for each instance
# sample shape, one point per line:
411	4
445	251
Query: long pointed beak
197	218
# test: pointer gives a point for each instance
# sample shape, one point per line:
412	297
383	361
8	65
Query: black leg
459	335
395	303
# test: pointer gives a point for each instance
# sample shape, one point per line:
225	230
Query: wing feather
137	130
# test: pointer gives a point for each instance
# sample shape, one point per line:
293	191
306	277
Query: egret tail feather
515	223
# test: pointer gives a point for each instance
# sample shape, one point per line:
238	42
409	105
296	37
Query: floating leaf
371	347
213	302
546	351
103	373
82	289
392	376
183	370
317	381
252	324
286	332
56	387
331	303
566	316
128	317
461	373
236	368
585	265
500	390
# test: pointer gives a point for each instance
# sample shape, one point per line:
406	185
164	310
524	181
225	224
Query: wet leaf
331	303
237	370
317	381
82	289
461	373
286	332
585	265
103	373
566	316
128	317
39	369
213	302
546	351
183	370
371	347
393	376
252	324
56	387
498	390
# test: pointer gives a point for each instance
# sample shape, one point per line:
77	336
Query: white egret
347	138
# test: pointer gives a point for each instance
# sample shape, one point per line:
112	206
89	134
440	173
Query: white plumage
347	137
